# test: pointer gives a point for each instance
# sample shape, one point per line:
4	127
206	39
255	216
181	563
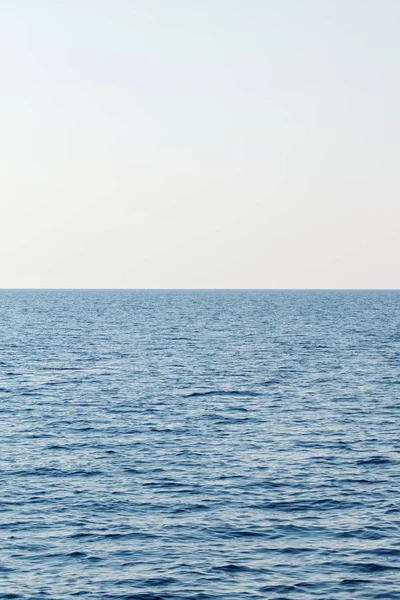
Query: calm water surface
199	445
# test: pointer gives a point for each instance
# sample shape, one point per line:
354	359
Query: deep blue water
199	445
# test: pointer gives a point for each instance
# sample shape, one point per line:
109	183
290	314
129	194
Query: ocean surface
199	445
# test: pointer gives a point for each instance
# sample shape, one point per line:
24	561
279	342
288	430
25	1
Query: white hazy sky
200	143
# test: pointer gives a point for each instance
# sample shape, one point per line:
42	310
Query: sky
199	144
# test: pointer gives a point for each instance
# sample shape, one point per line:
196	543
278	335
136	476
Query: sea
199	445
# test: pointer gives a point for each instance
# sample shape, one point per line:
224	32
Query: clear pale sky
200	143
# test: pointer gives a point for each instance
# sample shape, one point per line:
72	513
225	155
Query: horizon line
205	289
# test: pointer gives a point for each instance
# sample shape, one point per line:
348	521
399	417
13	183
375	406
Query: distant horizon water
205	289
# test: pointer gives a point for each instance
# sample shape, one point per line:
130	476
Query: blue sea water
199	445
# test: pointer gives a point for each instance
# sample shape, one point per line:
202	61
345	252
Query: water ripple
199	445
